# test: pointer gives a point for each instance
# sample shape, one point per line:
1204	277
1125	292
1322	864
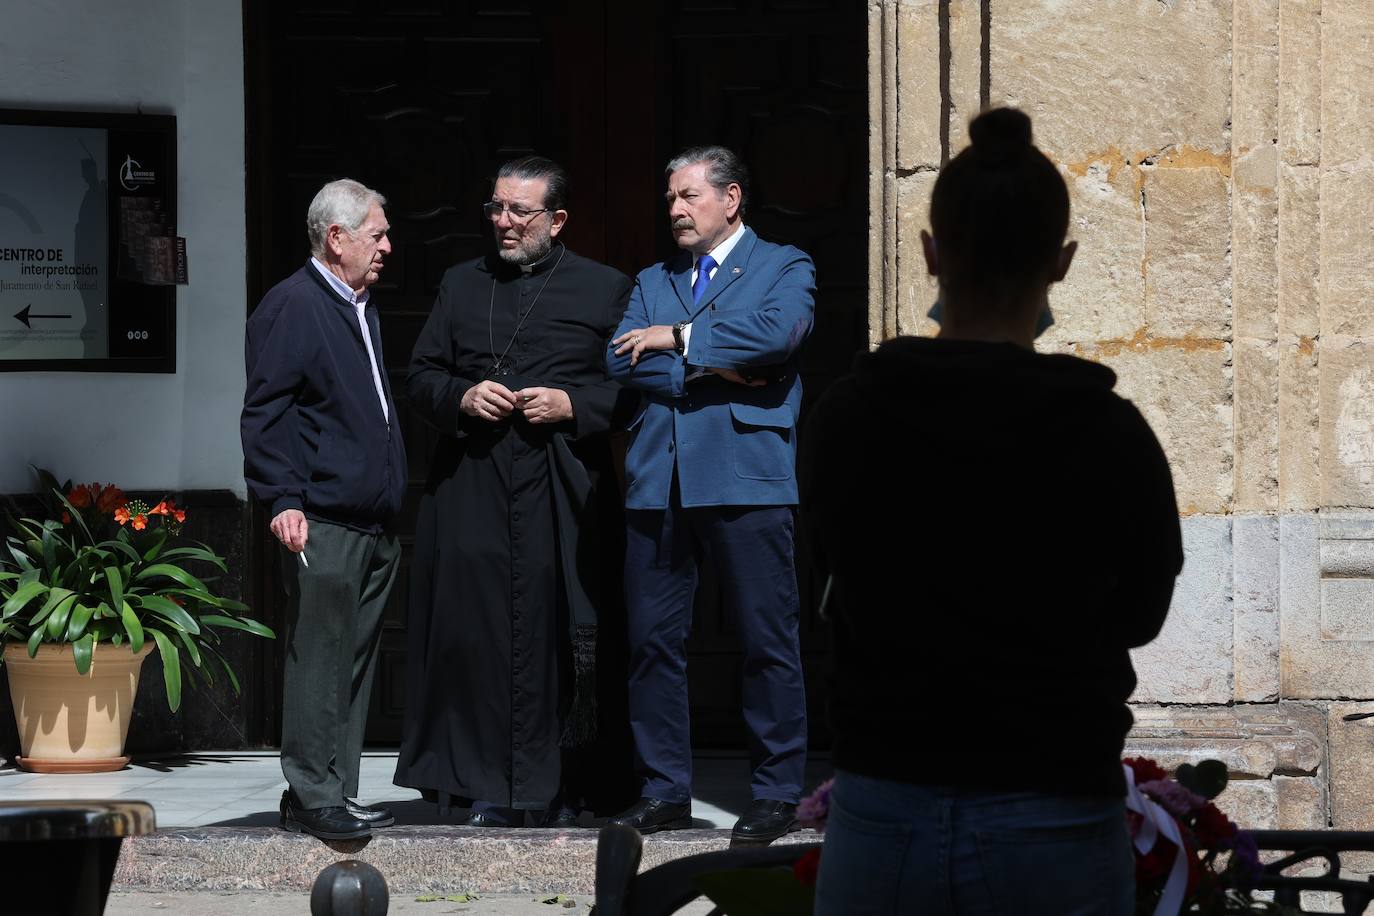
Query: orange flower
179	515
110	498
80	496
160	509
140	522
121	515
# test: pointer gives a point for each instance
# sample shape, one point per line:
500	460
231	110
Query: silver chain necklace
499	366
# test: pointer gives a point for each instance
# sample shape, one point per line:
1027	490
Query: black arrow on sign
24	315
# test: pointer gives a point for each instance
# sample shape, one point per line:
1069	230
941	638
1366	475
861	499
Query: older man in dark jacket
322	452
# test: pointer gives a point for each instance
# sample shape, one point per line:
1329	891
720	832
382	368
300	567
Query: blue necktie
704	268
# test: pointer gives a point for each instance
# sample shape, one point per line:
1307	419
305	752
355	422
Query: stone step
414	859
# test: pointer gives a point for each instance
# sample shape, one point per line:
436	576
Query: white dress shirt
718	254
359	304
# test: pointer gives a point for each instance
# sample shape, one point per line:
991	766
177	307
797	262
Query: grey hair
723	168
343	202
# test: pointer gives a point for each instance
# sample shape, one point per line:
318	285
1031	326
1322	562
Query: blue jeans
893	847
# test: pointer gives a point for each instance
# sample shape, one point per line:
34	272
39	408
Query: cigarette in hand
304	561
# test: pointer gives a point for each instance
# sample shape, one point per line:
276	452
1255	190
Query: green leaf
175	573
57	622
55	595
20	557
191	649
246	624
158	538
170	611
116	581
49	548
171	668
132	626
71	510
123	546
34	640
82	649
203	554
224	663
81	618
25	593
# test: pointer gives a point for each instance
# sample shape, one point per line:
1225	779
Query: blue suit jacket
732	444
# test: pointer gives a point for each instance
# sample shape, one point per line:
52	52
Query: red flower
140	522
160	509
1145	770
179	515
1152	868
1214	830
807	867
110	498
80	496
66	517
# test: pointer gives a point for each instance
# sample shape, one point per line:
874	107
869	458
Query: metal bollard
349	888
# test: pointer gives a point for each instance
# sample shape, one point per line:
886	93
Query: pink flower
1172	797
815	808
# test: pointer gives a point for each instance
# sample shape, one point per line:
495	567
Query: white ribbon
1154	820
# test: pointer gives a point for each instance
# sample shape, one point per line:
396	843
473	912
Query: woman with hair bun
1022	536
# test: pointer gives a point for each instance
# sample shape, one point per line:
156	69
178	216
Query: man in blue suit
711	337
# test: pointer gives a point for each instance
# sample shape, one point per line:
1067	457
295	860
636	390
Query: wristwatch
678	344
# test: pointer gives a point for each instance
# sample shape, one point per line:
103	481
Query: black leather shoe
649	815
764	822
563	818
372	817
487	819
332	823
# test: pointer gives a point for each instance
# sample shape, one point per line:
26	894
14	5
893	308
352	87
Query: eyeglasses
492	210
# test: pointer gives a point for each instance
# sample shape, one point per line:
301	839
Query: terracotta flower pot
68	722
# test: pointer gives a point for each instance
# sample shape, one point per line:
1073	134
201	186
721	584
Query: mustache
684	223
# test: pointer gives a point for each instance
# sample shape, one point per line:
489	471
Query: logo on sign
132	175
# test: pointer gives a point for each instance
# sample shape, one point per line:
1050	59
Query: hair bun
1000	135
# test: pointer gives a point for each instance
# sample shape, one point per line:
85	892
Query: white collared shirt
359	303
718	254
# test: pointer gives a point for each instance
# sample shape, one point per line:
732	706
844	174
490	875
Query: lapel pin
737	270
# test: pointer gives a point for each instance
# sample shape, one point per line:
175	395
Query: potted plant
86	593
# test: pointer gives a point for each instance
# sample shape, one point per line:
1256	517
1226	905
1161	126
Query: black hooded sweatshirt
1001	528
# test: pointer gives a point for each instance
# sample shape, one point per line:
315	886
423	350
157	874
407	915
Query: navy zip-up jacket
314	437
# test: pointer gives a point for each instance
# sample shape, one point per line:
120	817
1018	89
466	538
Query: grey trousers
334	624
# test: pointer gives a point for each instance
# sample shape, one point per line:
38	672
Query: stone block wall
1220	161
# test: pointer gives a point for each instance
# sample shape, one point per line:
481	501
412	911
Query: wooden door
783	83
423	99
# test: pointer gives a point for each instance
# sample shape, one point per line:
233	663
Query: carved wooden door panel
423	99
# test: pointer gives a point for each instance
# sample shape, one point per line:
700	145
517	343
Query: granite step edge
414	859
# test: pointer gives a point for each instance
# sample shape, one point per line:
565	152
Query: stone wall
1220	160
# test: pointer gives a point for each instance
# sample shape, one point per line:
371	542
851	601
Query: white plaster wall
181	57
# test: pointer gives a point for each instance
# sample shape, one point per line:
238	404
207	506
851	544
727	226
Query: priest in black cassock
516	668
